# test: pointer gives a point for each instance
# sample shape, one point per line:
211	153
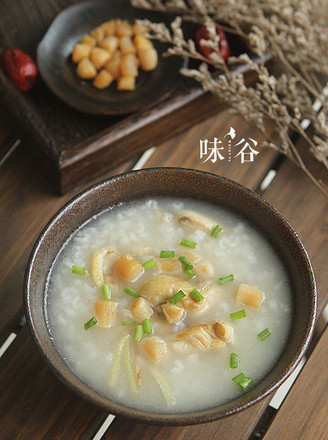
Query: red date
20	68
203	34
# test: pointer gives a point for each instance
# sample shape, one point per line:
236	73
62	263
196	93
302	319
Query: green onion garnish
79	270
216	231
234	361
148	264
177	296
128	322
239	378
92	321
225	279
146	325
186	262
245	383
190	274
266	332
167	254
131	292
196	295
106	291
188	243
138	333
242	381
238	315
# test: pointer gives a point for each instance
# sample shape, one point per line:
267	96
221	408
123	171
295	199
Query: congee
168	305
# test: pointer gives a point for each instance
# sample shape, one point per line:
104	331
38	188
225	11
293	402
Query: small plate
58	71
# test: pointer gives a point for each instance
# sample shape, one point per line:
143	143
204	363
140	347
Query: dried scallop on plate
77	25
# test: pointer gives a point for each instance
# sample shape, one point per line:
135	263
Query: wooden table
35	405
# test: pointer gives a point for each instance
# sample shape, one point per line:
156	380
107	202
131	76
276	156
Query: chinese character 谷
247	153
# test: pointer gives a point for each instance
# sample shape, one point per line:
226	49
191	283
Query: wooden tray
75	148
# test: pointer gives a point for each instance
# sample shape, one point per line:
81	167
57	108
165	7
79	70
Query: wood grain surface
35	405
303	414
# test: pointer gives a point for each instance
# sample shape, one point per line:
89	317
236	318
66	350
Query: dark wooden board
73	147
308	399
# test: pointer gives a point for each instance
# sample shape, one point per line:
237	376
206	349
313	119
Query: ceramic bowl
179	183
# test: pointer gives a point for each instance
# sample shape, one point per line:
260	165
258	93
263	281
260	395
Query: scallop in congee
169	305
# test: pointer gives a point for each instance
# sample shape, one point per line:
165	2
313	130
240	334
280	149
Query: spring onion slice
148	264
188	243
264	334
245	383
138	333
225	279
239	378
161	382
177	296
234	361
216	231
106	291
92	321
79	270
146	326
131	292
131	367
196	295
117	359
186	262
242	381
238	315
190	274
167	254
128	323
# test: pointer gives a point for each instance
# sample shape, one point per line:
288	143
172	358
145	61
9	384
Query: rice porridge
168	305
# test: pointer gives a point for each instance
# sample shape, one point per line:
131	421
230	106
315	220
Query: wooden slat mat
303	415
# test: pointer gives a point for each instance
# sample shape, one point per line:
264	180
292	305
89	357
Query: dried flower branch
294	32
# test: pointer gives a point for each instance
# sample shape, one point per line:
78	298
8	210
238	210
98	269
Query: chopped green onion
167	254
188	243
146	325
266	332
239	378
196	295
138	333
238	315
234	361
128	322
148	264
93	321
225	279
79	270
131	292
190	274
177	296
106	291
245	383
186	263
216	231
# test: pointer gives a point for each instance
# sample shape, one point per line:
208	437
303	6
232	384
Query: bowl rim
186	418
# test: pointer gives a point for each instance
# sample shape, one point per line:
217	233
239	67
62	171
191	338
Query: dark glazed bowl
179	183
